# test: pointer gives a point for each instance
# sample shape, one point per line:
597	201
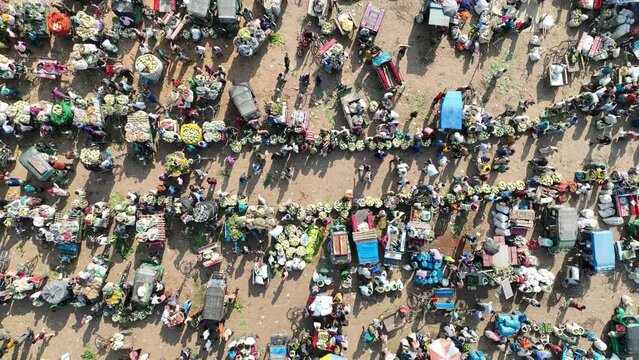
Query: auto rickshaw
37	165
128	8
624	339
244	101
146	277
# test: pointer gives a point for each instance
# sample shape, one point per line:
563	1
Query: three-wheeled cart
370	23
345	23
317	8
338	246
151	232
138	132
387	71
354	108
278	347
215	298
67	234
395	246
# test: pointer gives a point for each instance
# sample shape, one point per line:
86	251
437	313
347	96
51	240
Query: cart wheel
101	343
186	267
419	18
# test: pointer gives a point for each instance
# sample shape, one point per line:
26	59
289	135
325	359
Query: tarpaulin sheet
451	111
603	251
367	252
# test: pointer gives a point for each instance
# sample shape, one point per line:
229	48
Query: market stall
244	348
66	233
150	230
451	112
31	15
176	164
87	56
207	87
8	68
333	56
250	38
215	298
87	286
182	96
55	293
88	28
138	132
149	67
354	108
272	8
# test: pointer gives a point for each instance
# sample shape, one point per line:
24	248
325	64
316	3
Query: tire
419	18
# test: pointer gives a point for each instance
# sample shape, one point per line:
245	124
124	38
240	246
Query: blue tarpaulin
451	111
603	251
367	252
382	59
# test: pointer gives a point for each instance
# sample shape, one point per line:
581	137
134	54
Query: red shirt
630	98
439	96
110	70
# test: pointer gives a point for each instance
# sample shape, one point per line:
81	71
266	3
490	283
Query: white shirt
144	49
200	49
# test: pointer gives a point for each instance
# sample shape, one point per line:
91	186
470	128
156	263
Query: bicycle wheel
295	314
186	267
416	301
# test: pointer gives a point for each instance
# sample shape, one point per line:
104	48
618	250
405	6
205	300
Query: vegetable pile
177	164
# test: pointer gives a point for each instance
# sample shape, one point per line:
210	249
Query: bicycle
296	314
5	257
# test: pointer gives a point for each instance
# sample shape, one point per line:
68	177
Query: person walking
144	48
28	335
602	140
318	79
287	63
200	50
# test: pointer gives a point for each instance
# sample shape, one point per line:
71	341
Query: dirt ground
428	67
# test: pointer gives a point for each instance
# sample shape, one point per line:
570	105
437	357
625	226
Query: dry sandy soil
428	68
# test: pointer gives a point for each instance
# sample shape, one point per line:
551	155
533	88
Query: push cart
355	109
345	23
387	71
370	23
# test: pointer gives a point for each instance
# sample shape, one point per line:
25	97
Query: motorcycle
305	41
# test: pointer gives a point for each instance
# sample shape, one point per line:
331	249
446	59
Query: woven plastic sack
59	24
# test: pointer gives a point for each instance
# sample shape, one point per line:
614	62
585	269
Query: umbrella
55	292
450	7
332	357
443	349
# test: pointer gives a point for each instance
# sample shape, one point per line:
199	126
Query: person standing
437	99
402	50
500	73
287	63
318	79
217	51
